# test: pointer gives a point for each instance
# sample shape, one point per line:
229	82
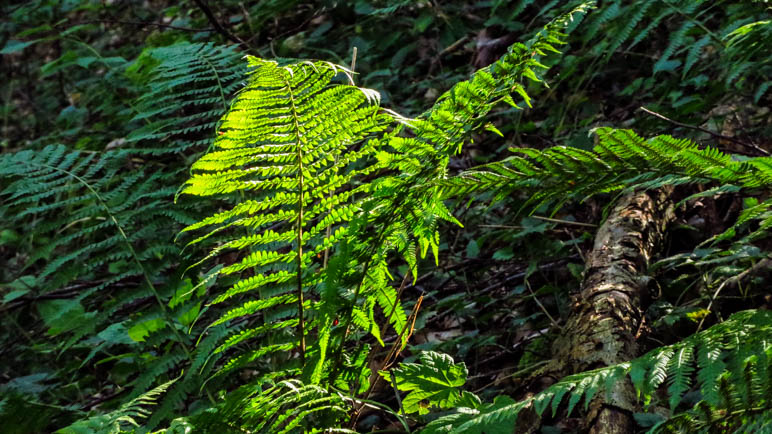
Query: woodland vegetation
468	216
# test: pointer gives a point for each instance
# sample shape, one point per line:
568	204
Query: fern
745	49
312	165
293	141
117	219
299	145
190	88
738	347
114	224
124	419
620	161
286	407
743	403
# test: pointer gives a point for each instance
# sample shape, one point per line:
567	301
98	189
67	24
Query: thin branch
454	46
216	24
143	24
543	309
564	222
704	130
396	393
521	275
763	266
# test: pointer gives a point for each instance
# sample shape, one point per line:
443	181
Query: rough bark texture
607	316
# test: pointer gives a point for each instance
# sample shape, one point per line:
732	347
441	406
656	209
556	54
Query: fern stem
301	180
349	317
219	82
697	23
396	301
543	309
396	393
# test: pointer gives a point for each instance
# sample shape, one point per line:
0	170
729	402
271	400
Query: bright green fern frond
295	141
620	160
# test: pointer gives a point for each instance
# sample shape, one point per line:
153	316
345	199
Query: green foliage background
160	271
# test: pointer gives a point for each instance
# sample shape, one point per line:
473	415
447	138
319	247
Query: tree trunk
607	316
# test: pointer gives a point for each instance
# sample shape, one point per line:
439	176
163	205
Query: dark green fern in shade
728	363
89	200
112	225
190	86
112	230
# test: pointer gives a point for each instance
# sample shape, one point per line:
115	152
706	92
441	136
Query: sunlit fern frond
297	147
620	161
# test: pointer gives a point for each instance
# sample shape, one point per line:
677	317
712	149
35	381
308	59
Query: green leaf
434	382
504	254
183	293
14	46
472	249
190	315
13	295
62	315
138	332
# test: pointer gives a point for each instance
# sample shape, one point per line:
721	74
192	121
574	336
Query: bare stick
143	24
704	130
217	26
354	60
564	222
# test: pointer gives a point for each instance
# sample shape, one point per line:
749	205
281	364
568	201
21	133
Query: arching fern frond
286	407
620	161
410	225
116	218
111	232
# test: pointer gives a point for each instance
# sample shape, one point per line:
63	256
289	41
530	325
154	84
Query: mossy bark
606	318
